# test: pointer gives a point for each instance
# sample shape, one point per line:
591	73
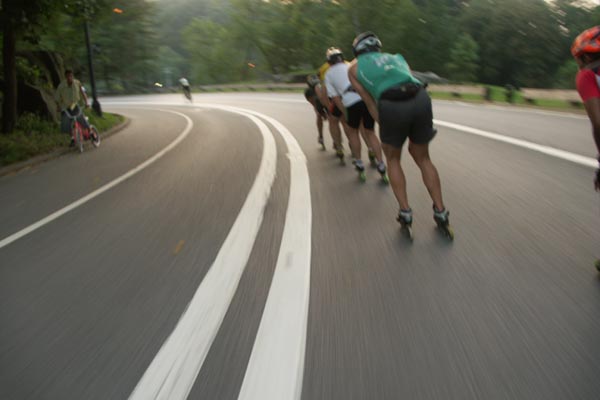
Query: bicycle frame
79	133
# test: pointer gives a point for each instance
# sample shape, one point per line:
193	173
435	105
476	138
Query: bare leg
353	141
320	125
431	178
397	179
373	143
335	131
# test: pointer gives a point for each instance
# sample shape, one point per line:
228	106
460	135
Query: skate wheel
597	264
449	233
385	179
362	176
409	233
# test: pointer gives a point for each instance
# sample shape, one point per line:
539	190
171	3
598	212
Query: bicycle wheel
94	134
79	138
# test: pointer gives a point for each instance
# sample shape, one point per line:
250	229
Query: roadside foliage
137	44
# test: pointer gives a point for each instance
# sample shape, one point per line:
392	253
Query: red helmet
588	41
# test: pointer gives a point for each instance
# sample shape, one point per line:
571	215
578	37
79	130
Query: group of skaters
378	87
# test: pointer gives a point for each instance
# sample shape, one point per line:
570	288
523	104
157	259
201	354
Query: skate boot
383	172
322	143
358	164
443	224
339	153
372	158
405	217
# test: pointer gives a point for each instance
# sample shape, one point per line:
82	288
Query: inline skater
400	104
185	85
69	97
313	95
333	115
335	120
349	103
586	51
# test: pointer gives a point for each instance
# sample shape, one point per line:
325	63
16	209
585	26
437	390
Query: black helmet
366	42
334	55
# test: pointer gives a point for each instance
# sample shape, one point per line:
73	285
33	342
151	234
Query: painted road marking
179	247
57	214
548	150
551	151
173	371
276	367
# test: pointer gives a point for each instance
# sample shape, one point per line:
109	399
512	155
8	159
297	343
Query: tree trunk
9	104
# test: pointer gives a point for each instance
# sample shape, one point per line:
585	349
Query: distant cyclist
70	96
402	107
356	113
185	85
312	96
586	50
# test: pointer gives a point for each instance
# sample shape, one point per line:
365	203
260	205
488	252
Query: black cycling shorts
358	112
309	93
412	118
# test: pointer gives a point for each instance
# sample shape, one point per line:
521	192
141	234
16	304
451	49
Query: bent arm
364	94
83	95
338	103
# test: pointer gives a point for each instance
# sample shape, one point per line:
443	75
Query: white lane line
515	109
173	371
57	214
551	151
276	367
548	150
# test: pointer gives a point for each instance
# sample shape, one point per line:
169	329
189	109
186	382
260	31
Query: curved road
219	254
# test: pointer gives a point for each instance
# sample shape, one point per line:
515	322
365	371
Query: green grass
498	96
34	136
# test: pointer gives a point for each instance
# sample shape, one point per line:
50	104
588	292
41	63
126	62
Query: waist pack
405	91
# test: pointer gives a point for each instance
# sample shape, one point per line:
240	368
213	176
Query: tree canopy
139	42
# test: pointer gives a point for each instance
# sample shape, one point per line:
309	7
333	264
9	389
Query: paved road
106	301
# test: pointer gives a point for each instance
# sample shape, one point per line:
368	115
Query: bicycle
79	133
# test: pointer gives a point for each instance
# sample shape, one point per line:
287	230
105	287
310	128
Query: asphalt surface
509	310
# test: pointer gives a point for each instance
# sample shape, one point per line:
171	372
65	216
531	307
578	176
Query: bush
34	136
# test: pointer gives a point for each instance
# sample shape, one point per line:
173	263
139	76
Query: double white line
276	365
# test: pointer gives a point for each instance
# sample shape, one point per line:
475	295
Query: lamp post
95	103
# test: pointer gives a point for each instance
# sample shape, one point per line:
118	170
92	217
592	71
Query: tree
214	57
565	76
464	59
519	42
19	19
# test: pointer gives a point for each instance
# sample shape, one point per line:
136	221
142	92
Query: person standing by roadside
586	51
400	104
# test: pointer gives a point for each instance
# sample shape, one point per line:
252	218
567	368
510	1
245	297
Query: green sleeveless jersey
378	72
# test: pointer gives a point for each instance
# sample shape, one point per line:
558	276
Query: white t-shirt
184	82
338	83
